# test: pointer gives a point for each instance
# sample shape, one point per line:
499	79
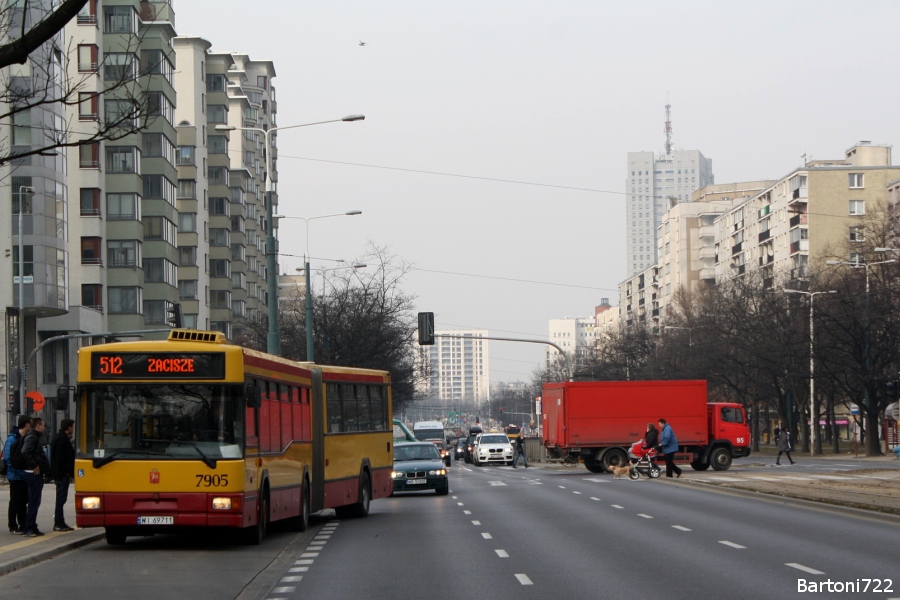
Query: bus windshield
160	421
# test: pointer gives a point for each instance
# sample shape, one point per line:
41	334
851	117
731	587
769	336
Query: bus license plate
156	521
415	481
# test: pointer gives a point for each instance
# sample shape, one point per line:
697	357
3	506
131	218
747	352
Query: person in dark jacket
62	466
668	443
520	450
783	441
651	439
18	489
36	465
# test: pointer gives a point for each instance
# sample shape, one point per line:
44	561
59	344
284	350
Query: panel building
456	370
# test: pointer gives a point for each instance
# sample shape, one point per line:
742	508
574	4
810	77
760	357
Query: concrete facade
458	368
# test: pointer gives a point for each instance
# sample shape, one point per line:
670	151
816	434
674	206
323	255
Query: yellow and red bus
193	432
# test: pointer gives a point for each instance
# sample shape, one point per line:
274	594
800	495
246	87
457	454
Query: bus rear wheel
301	521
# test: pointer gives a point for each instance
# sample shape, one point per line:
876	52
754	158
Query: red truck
598	421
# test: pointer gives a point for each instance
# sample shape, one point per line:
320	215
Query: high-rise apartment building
575	335
457	369
655	183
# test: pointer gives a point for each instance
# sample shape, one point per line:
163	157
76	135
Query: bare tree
25	40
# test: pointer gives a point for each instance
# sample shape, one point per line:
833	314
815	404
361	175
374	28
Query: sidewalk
17	552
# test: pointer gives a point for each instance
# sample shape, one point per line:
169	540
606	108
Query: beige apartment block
456	370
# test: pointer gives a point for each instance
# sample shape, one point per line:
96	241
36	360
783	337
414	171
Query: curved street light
273	340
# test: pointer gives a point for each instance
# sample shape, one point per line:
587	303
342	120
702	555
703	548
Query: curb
57	549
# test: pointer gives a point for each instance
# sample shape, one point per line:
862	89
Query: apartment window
262	81
119	66
238	252
857	207
218	144
123	253
220	299
157	145
856	180
237	224
857	258
123	159
21	128
90	251
220	267
90	202
187	222
155	62
120	113
27	260
857	234
88	13
239	307
158	105
187	256
159	228
218	175
219	206
219	237
123	207
187	188
119	19
92	296
187	289
88	106
185	155
237	195
89	156
124	300
155	312
217	113
238	280
215	82
160	270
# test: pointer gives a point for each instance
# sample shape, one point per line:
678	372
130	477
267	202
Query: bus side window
305	416
362	407
334	408
285	405
348	405
378	408
265	435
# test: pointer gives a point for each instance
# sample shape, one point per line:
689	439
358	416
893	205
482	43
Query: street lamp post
813	405
24	190
868	353
309	305
273	340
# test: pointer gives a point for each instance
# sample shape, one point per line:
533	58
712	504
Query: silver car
492	448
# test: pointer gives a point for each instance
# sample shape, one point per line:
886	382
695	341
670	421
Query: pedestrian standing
18	489
520	450
36	465
668	444
783	441
62	466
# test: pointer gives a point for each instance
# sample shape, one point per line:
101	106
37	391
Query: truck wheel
614	457
699	466
720	459
594	466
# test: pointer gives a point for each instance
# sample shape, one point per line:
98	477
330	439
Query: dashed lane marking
576	492
680	528
616	506
523	579
644	516
476	522
467	512
487	536
806	569
595	499
595	480
502	553
284	590
292	579
732	544
496	483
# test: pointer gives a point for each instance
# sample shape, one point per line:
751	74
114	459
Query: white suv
492	448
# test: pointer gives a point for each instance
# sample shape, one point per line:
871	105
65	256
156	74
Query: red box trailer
598	421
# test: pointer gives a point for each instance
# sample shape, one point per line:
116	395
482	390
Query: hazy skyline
538	93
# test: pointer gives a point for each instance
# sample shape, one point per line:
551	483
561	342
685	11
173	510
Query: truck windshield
164	421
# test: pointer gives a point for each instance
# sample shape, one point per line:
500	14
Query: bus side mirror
254	396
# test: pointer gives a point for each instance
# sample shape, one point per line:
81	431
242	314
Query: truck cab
729	434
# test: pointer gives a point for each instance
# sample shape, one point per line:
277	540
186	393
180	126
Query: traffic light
501	410
174	316
426	329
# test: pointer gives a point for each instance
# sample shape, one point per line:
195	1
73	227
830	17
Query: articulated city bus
193	432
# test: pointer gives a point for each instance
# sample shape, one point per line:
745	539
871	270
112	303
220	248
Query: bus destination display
106	365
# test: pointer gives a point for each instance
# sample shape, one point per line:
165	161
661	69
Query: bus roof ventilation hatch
188	335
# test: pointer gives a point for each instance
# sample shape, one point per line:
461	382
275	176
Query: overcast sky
547	97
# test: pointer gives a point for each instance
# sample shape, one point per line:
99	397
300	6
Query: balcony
764	235
800	246
707	252
708	273
800	194
800	219
736	248
707	231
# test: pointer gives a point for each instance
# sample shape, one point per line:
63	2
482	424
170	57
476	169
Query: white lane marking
476	522
803	568
576	492
303	562
595	499
455	497
680	528
284	590
323	536
292	579
595	480
460	504
720	478
616	506
309	555
828	476
644	516
502	553
298	570
487	536
535	482
562	487
758	478
732	544
316	547
523	579
496	483
467	512
795	478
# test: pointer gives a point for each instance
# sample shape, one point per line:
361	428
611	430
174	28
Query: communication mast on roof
668	128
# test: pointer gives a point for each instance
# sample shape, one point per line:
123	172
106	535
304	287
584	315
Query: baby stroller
641	461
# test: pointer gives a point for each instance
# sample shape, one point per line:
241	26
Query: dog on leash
618	472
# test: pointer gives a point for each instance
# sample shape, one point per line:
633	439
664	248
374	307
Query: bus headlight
90	503
221	503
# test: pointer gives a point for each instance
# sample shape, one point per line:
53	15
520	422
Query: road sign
37	401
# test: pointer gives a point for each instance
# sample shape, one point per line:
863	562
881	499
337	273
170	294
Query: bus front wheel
253	535
115	536
361	508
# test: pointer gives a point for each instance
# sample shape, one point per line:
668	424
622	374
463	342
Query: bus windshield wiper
210	462
99	462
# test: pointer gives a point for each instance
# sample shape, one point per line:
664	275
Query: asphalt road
504	533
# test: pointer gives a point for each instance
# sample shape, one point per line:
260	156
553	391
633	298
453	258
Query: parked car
418	467
492	448
459	451
443	449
